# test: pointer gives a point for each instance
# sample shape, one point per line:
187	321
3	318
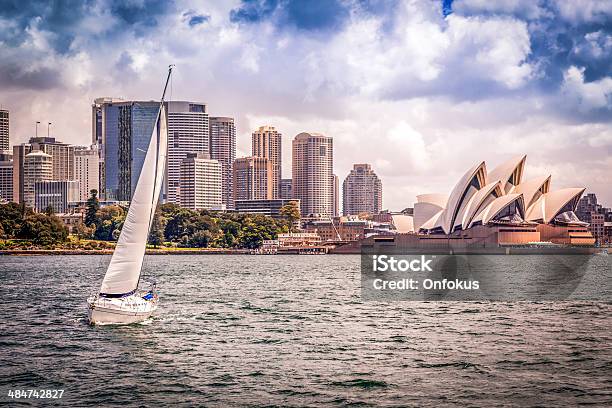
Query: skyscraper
223	149
86	170
312	168
361	191
267	142
6	177
19	154
62	164
123	133
98	125
188	132
286	189
37	166
252	178
4	129
62	154
200	182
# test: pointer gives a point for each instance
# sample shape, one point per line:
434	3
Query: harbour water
291	331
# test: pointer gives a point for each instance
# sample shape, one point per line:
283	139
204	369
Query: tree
156	235
93	205
49	210
200	239
291	213
43	229
110	222
83	231
11	218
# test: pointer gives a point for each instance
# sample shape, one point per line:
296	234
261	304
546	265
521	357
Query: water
291	331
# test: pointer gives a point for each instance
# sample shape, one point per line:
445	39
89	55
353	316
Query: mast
125	269
155	197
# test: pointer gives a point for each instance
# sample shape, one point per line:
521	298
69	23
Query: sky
421	90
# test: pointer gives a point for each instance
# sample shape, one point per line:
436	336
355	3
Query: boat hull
128	310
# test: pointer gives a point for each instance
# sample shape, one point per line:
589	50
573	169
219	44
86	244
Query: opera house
492	209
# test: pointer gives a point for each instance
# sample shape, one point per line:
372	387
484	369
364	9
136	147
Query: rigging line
155	201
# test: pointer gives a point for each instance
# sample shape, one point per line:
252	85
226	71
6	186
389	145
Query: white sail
123	272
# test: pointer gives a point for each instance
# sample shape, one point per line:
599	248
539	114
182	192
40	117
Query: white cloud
421	94
586	96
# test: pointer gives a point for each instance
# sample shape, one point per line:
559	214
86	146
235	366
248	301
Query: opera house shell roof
495	197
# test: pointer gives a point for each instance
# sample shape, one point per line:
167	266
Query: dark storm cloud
61	22
13	75
63	18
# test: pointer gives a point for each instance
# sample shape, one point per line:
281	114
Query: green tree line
18	221
172	225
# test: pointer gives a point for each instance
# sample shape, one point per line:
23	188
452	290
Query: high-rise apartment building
200	183
252	178
19	154
62	154
62	164
361	191
37	166
267	142
6	176
4	129
223	149
312	170
188	132
122	130
86	170
286	189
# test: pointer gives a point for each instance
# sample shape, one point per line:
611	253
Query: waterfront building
59	195
339	228
596	226
312	174
6	176
37	166
223	149
586	206
499	206
123	130
62	155
361	191
267	142
285	189
86	170
267	207
252	178
188	132
4	129
200	183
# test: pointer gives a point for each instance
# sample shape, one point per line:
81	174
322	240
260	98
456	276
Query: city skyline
439	80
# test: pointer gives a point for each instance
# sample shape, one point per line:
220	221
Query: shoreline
32	252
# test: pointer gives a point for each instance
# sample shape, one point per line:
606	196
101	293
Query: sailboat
119	300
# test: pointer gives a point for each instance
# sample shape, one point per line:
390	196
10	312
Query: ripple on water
291	331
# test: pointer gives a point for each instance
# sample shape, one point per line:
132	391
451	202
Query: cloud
313	15
194	19
588	97
408	86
